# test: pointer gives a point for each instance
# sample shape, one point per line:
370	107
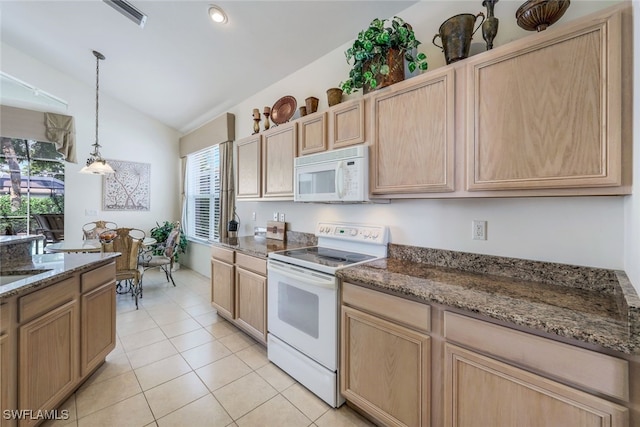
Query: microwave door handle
340	179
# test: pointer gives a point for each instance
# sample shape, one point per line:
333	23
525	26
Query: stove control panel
353	232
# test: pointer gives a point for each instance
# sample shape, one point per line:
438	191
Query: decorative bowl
537	15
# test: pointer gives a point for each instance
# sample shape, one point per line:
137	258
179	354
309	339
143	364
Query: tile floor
177	363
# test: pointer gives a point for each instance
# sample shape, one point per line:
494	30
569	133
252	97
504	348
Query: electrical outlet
275	216
281	217
253	216
479	230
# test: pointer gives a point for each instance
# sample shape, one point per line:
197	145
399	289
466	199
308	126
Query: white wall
125	134
583	231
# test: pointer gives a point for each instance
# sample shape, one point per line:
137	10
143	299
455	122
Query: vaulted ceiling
182	67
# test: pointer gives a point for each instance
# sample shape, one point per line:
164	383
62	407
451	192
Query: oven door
303	311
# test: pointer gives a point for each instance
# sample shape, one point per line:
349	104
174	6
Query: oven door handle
306	278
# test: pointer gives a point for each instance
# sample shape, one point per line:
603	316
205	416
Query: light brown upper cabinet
248	167
545	112
279	148
414	136
313	133
347	124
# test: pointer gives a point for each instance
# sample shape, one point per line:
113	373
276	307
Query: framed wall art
129	188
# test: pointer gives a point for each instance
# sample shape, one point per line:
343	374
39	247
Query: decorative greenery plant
369	52
161	232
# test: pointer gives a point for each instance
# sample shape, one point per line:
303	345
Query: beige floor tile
275	376
131	316
205	354
66	414
222	329
342	417
208	319
151	353
142	339
255	356
170	316
244	395
181	327
188	299
276	412
128	328
205	411
175	394
310	404
133	411
162	371
236	342
114	366
223	372
199	309
106	393
191	339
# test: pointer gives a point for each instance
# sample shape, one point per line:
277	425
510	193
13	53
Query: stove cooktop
332	258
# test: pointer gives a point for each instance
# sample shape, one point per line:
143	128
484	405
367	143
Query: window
31	182
202	188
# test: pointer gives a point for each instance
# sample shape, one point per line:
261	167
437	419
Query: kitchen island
479	333
57	325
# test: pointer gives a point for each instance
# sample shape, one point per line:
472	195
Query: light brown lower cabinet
251	309
385	362
239	290
56	337
481	391
223	288
48	359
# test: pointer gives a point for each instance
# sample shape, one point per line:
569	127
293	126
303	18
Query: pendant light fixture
95	163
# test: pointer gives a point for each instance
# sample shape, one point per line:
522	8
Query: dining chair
92	230
127	241
167	252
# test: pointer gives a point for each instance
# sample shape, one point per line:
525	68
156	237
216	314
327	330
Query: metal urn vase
490	24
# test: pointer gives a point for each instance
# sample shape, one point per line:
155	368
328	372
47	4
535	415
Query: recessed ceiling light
217	15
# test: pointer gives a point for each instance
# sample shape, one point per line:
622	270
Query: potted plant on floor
378	55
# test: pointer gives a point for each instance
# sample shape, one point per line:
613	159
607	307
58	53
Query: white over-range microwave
333	176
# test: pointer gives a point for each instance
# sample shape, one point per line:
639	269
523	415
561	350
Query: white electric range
303	302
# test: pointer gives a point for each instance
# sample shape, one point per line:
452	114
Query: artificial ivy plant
370	50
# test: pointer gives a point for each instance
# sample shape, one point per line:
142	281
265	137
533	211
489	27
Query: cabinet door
4	377
48	359
480	391
222	288
279	148
385	369
98	326
557	127
347	124
248	168
313	133
413	136
251	303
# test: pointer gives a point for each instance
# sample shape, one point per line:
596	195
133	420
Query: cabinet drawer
222	254
599	372
44	300
5	314
251	263
95	278
409	313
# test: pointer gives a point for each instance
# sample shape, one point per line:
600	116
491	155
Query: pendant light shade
95	163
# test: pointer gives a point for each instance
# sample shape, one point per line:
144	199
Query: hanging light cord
96	151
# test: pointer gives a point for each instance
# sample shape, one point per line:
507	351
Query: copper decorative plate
283	109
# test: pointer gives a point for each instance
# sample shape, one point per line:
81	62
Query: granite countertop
259	246
11	240
604	311
49	269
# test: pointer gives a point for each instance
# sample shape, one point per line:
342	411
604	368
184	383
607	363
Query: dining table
86	245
